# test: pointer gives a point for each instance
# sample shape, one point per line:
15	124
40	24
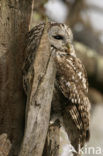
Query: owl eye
58	37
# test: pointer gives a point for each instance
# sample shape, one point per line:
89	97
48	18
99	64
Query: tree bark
14	24
39	101
5	145
52	144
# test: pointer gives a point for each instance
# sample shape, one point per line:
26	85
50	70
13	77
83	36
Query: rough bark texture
14	24
52	143
5	145
39	101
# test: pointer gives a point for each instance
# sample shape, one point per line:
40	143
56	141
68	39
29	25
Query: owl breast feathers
71	75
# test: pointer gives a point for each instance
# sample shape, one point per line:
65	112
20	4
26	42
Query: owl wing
72	81
78	92
32	42
74	125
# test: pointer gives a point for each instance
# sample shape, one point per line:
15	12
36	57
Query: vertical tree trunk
39	100
14	23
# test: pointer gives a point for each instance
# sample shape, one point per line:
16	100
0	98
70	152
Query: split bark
39	102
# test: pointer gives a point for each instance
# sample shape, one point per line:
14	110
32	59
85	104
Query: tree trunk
39	100
52	144
14	24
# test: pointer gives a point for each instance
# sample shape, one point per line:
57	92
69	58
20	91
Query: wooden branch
39	101
52	143
74	12
95	8
93	63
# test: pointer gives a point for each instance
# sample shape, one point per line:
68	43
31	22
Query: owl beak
68	46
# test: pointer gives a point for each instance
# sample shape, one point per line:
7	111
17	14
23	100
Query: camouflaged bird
71	76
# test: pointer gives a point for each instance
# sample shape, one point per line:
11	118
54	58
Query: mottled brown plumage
71	76
32	42
72	81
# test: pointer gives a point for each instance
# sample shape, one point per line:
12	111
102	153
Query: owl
71	78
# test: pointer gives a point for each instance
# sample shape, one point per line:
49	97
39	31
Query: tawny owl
71	76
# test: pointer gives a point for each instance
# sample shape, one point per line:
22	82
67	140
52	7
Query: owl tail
81	121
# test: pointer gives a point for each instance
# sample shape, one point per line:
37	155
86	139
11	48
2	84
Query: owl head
60	37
